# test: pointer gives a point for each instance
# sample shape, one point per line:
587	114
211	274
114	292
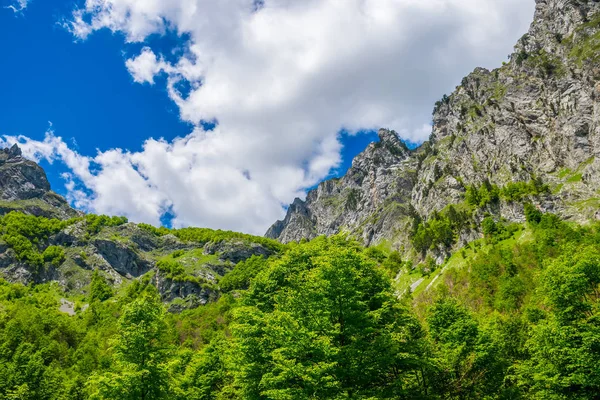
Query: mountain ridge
43	239
536	117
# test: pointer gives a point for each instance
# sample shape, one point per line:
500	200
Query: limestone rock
122	258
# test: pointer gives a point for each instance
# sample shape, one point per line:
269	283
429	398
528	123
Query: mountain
481	281
527	132
43	239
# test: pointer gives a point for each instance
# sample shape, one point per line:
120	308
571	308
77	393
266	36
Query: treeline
323	321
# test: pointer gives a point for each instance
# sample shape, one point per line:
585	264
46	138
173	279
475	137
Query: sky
219	113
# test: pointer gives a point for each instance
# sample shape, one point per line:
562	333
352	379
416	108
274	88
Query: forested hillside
513	315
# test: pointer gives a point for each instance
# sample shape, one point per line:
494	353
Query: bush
95	223
99	289
482	196
517	191
172	269
54	255
489	226
532	214
393	264
441	229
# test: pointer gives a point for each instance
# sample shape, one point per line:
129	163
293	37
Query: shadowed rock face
123	259
536	116
25	187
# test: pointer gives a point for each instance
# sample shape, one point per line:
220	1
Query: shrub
489	226
172	269
532	214
517	191
482	196
99	289
95	223
54	255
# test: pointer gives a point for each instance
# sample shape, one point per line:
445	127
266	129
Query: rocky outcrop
130	252
235	251
535	117
122	258
183	294
379	181
24	187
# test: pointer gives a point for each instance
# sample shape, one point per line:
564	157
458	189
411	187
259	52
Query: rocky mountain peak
25	187
337	204
14	152
391	137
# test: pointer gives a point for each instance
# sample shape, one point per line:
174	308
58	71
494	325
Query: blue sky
83	89
128	84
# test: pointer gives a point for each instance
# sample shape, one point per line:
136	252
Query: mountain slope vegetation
518	318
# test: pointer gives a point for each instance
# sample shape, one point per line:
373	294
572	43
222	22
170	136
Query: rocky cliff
24	187
535	119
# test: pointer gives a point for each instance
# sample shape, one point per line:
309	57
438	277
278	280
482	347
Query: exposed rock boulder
183	293
236	250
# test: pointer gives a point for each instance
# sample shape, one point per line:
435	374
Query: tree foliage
322	320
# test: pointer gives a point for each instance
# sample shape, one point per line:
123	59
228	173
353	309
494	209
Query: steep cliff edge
527	132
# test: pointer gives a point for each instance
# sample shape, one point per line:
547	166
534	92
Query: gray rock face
236	250
188	294
379	181
536	116
123	259
24	187
20	179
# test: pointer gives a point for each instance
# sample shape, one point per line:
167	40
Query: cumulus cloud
281	78
146	66
181	177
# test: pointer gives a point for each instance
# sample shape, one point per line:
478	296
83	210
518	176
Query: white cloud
181	177
18	5
281	82
146	66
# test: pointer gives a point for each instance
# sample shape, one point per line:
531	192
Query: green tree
468	361
532	214
323	322
140	368
564	346
99	289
